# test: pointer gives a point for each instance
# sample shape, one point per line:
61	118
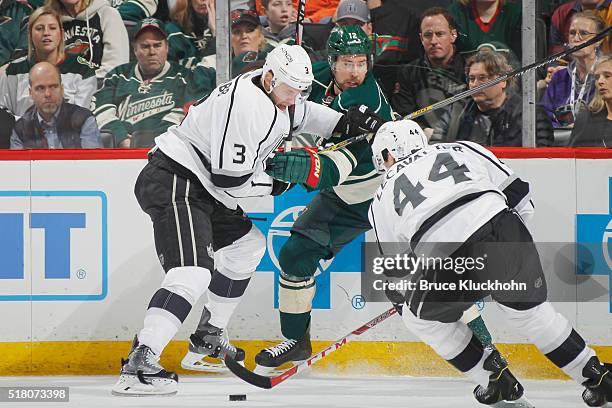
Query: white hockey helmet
290	65
400	138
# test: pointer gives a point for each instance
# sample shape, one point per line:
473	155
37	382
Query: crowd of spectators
126	70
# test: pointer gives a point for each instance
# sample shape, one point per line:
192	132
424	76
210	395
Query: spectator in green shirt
484	21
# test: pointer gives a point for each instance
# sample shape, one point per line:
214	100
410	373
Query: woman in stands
46	43
248	42
594	125
191	32
95	32
571	89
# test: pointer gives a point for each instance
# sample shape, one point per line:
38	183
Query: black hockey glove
358	120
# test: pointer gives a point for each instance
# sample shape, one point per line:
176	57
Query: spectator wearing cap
50	122
594	125
435	76
141	99
354	12
562	18
281	17
485	21
493	116
247	39
46	43
191	31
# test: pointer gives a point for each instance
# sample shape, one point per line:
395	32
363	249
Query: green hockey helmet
348	40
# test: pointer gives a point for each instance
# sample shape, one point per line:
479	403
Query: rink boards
78	267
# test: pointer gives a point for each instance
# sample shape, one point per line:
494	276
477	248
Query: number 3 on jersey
239	150
412	192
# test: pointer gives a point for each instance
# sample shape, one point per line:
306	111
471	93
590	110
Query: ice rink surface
306	391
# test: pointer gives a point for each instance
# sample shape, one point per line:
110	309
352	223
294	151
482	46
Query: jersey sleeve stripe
516	192
486	157
229	115
443	212
265	138
223	181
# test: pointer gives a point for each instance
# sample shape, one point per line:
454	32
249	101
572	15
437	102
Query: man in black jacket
493	117
437	75
51	122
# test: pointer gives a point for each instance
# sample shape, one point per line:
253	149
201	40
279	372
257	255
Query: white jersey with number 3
444	193
225	139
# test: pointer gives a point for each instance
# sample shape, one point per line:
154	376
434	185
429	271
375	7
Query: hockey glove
302	166
358	120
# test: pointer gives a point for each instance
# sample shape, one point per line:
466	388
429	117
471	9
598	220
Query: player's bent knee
189	282
240	260
295	296
297	259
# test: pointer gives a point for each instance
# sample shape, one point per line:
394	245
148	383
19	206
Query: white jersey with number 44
444	193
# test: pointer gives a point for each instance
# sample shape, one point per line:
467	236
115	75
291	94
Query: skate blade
130	386
519	403
198	362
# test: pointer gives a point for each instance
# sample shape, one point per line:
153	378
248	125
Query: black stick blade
247	375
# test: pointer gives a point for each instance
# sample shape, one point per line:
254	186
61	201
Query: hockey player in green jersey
347	181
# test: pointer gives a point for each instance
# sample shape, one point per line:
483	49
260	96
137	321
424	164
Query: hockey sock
295	304
481	331
224	295
171	304
553	335
454	342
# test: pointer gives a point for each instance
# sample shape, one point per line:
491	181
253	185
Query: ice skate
207	348
598	392
269	359
141	374
504	390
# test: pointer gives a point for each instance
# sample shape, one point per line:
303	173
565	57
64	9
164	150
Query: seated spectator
354	12
191	31
147	96
46	43
572	88
439	74
594	125
494	115
247	39
7	122
13	14
396	32
562	17
281	22
484	21
52	123
94	31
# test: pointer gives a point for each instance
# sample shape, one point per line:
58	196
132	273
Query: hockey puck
237	397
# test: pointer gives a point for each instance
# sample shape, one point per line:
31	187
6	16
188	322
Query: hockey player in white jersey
460	192
190	187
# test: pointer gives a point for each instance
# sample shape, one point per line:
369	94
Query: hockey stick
469	92
266	382
299	29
